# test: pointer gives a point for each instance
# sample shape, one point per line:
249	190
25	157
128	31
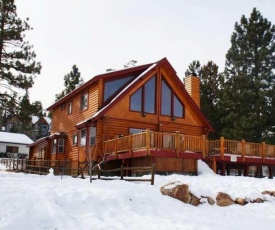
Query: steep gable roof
95	79
150	68
15	138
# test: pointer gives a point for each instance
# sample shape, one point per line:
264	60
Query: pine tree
71	81
249	79
210	92
17	59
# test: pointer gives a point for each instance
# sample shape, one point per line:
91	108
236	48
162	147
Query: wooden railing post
222	145
153	174
116	147
263	151
204	144
243	150
131	144
148	132
214	165
121	172
177	142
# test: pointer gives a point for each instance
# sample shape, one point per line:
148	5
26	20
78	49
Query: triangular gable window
170	104
144	99
113	87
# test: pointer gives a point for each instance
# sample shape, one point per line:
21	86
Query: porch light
173	118
144	114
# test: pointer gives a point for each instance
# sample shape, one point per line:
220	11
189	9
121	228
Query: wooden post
148	141
177	142
270	172
223	169
204	146
263	151
153	175
121	172
222	147
116	147
214	165
243	150
98	172
131	145
245	172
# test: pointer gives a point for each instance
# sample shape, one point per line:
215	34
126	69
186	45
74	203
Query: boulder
271	193
258	200
210	200
241	201
224	199
178	191
195	200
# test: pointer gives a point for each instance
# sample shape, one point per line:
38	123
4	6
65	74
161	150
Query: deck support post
245	172
223	169
214	165
270	172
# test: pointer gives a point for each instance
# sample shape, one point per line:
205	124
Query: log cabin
136	116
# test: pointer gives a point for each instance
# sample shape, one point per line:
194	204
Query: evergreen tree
210	92
71	81
249	80
17	59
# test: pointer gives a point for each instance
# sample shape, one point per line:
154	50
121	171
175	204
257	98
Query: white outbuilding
14	145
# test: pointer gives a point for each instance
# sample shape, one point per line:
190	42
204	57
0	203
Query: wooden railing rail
243	148
156	140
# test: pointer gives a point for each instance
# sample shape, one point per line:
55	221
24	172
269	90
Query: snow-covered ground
47	202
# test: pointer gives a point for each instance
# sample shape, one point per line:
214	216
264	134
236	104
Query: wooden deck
220	154
230	154
155	144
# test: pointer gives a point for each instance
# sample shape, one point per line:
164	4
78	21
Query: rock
224	199
241	201
271	193
178	191
210	200
195	200
258	200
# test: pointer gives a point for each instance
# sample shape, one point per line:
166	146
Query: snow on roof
34	119
18	138
48	120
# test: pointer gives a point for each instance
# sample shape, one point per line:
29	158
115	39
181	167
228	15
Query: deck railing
242	148
150	140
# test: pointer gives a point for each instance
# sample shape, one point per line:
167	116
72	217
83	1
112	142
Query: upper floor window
84	101
113	87
70	107
63	106
144	99
170	104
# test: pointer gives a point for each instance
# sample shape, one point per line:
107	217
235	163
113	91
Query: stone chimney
192	86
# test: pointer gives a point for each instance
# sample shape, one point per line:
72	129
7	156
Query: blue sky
100	34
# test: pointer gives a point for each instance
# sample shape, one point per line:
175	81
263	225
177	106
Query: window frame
70	108
143	99
172	102
15	149
92	130
83	106
53	146
62	145
81	143
74	139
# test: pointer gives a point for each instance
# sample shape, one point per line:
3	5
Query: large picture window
144	99
170	104
11	149
112	87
